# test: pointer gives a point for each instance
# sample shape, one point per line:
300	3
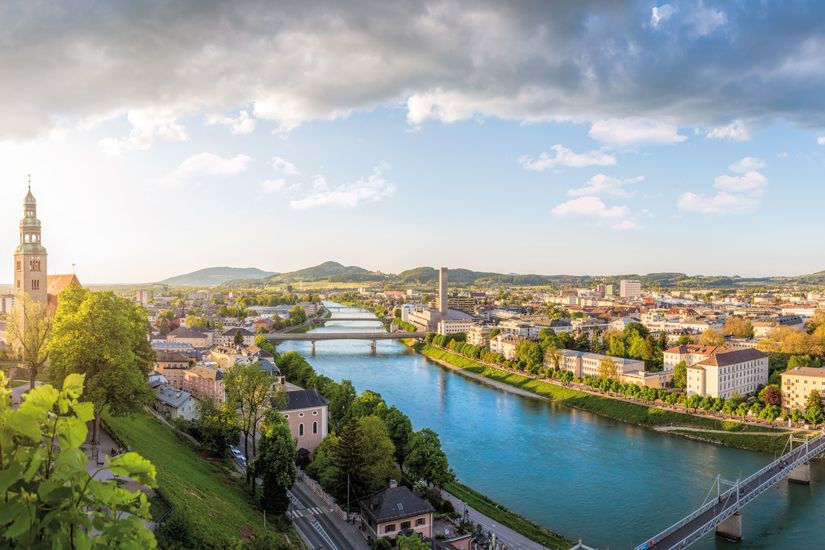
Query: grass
503	516
633	413
206	489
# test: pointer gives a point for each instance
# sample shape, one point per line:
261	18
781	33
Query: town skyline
633	132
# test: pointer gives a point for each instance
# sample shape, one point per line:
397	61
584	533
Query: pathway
503	534
318	525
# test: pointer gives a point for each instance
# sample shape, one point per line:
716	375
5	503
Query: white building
583	364
630	288
454	326
515	327
479	336
504	344
719	372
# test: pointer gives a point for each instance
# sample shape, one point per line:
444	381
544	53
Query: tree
275	462
608	369
529	352
297	315
712	337
217	427
400	430
771	395
738	328
238	339
29	328
553	357
379	454
340	400
413	541
813	407
426	461
248	388
680	375
368	403
104	337
49	498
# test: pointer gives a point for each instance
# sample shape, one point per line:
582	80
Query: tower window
19	265
35	284
34	265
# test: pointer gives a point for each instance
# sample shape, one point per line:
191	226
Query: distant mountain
215	276
329	271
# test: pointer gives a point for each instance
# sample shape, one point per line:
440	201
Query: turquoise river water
577	473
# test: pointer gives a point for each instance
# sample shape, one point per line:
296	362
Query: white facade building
630	288
719	372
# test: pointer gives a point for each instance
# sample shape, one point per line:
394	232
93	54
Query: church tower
30	275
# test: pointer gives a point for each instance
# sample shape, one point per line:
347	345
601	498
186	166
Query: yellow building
797	385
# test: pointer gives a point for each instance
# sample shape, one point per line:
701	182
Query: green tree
813	407
680	375
29	328
50	500
426	461
248	388
104	337
297	315
238	339
275	462
413	541
400	431
369	403
340	401
217	427
608	369
379	454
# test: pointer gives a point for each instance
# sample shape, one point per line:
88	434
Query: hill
215	276
328	271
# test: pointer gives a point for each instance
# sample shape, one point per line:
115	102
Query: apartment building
454	326
479	336
797	385
630	289
505	344
583	364
204	381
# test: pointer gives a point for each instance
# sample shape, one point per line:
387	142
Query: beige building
797	385
479	336
172	365
724	372
388	512
174	403
583	364
204	381
199	339
307	414
630	289
505	344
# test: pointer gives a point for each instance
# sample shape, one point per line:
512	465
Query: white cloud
735	131
148	125
626	132
285	167
600	184
661	13
752	182
737	194
747	164
206	166
720	203
242	124
625	225
364	191
567	157
273	185
821	140
590	207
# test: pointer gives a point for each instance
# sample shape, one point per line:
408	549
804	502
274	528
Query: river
575	472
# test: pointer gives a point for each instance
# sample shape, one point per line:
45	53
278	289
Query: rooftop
394	503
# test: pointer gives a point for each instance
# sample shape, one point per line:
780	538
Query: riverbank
711	430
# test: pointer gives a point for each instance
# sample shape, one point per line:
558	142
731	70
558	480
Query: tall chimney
442	292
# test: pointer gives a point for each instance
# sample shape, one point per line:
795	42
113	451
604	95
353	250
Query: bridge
314	337
722	510
353	319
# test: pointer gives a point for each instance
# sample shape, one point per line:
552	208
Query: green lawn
206	489
624	411
505	517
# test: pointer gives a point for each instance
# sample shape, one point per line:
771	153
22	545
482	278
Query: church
30	262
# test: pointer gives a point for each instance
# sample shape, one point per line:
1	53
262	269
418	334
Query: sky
529	137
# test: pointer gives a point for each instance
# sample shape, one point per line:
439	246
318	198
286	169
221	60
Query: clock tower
30	275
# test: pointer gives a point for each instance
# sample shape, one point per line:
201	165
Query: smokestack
442	292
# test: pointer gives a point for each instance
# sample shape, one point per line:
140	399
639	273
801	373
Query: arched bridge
722	509
314	337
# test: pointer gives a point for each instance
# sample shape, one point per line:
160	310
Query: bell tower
30	275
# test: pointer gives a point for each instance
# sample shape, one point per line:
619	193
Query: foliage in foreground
49	498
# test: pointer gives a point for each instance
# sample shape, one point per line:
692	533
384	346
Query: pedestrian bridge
722	509
314	337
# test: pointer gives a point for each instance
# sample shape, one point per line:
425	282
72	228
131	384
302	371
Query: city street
318	526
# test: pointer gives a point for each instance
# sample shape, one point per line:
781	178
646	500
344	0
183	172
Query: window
314	413
300	415
389	528
420	521
301	429
36	284
19	265
405	525
315	427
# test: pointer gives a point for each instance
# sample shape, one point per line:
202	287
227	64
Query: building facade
797	385
307	413
630	289
721	372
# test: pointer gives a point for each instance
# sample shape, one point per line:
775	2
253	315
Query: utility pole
348	510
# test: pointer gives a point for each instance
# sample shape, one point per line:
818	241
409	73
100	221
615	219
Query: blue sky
674	137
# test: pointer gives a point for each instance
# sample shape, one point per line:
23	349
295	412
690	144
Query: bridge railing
812	448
